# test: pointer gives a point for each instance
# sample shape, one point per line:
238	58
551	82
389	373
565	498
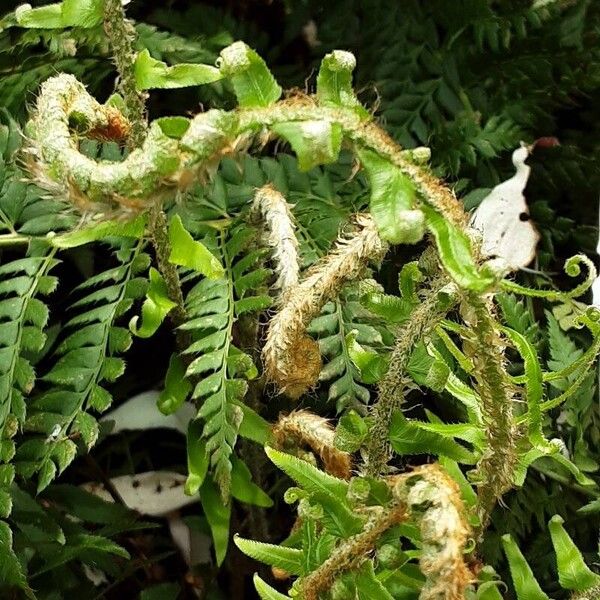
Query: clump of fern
262	274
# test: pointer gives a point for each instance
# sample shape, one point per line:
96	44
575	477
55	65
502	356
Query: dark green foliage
85	359
219	367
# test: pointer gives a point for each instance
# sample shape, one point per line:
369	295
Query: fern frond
518	316
85	360
213	306
336	321
172	48
23	317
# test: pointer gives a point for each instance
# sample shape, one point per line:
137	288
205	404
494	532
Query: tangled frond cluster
271	252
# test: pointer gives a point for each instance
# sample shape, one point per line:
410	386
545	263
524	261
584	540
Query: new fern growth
266	271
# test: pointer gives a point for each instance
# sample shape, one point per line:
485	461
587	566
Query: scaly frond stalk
121	35
160	242
485	348
391	389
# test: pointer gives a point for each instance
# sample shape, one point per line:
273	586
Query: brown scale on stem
303	428
291	358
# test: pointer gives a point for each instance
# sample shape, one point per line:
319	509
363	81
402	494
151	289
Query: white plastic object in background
154	493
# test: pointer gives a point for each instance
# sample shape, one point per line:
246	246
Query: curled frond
432	496
572	268
275	211
174	155
290	360
305	428
64	104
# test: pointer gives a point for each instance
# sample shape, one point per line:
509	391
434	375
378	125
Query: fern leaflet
85	359
213	306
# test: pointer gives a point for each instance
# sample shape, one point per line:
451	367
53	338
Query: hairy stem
246	338
160	241
391	389
272	208
351	551
286	339
121	35
485	347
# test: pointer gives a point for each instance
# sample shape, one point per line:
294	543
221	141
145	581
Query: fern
84	359
580	419
53	532
24	317
327	190
518	317
337	321
82	51
563	351
213	306
24	213
468	84
172	48
471	83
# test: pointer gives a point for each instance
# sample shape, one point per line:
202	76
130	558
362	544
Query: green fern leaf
573	573
213	306
310	478
266	592
288	559
338	320
526	584
84	361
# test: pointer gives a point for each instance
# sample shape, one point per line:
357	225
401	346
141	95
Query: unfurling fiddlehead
434	499
303	428
287	342
276	213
